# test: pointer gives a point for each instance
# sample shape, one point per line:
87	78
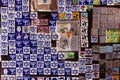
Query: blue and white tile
95	67
33	36
47	50
47	37
74	65
33	43
26	71
110	2
18	21
11	22
33	50
18	14
88	51
11	2
47	57
54	57
4	3
19	57
47	64
25	2
40	57
82	70
11	16
4	51
61	2
40	50
4	17
11	36
18	36
12	50
61	64
40	36
18	7
19	64
33	15
26	15
52	22
54	71
5	71
4	10
18	2
33	57
67	64
75	8
75	71
25	21
33	29
33	71
4	24
4	37
4	77
11	29
55	36
26	64
52	29
33	64
12	64
4	31
25	8
12	77
19	77
11	8
4	45
40	64
26	43
47	71
26	36
61	71
5	64
68	71
47	43
53	50
61	9
19	43
19	71
40	71
54	15
89	68
12	57
19	50
54	64
26	57
26	50
61	55
40	43
12	71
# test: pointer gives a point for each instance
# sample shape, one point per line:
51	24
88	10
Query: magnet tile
4	3
33	71
18	14
12	64
47	71
4	71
